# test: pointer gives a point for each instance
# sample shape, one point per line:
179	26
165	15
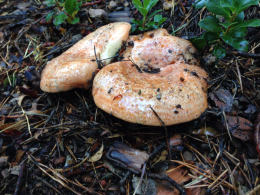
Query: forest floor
63	144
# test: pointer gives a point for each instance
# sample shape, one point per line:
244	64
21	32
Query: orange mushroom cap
157	48
76	67
177	94
161	83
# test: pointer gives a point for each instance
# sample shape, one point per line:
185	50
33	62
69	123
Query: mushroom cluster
158	82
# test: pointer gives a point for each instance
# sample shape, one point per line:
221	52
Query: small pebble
97	13
3	161
5	173
187	155
167	5
15	170
112	4
126	4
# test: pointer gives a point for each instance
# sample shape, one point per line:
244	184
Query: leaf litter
60	143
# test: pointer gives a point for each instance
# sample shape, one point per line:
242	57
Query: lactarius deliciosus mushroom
156	49
76	67
171	91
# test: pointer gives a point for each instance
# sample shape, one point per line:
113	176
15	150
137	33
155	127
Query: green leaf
157	18
199	42
139	6
238	32
60	18
71	6
49	16
238	43
215	7
150	16
137	3
244	4
248	23
228	4
219	52
75	20
133	27
140	28
137	22
149	4
227	24
200	3
240	17
211	37
210	23
232	5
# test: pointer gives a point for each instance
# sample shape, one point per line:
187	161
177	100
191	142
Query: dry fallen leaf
178	174
240	127
19	155
12	129
97	156
257	134
237	122
165	189
223	99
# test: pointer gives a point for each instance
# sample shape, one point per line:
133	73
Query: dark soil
63	144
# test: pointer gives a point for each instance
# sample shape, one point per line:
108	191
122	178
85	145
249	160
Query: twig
243	54
91	3
19	181
156	150
48	184
254	191
27	120
171	181
97	59
122	181
239	77
20	34
202	172
166	132
226	124
218	178
141	179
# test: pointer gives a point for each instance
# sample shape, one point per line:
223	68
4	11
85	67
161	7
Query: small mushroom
76	67
173	95
165	49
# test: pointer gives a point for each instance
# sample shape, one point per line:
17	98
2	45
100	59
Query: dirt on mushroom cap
165	49
176	94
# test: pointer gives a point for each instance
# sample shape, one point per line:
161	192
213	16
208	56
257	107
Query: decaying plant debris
61	143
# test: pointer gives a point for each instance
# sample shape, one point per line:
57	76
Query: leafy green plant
225	24
64	11
149	21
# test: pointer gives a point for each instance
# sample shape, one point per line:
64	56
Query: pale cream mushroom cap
76	67
178	93
157	48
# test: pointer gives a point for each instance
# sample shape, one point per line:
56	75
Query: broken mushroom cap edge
76	67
